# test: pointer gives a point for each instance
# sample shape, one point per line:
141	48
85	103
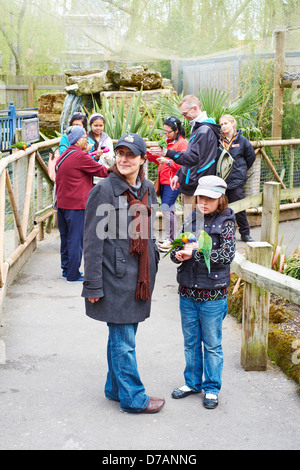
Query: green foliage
121	119
214	101
291	117
292	265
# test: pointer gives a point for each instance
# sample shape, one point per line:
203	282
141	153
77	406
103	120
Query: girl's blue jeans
202	332
123	382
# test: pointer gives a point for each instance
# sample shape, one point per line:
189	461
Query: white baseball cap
211	186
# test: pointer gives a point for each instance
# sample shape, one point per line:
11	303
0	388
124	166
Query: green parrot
162	143
20	145
182	239
205	247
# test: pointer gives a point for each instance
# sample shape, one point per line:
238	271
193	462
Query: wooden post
14	208
270	212
28	193
278	90
31	97
256	306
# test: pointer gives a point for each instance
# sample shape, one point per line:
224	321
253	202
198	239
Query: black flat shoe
247	238
210	401
177	393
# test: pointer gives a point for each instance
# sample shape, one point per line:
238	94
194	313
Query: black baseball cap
134	142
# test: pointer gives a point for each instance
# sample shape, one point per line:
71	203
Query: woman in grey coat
120	265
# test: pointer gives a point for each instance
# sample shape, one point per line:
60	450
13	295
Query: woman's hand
158	152
93	301
163	160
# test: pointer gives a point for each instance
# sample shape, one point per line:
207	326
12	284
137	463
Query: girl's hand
183	255
99	154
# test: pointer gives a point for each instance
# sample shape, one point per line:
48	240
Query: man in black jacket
199	158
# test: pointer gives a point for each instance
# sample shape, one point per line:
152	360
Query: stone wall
110	84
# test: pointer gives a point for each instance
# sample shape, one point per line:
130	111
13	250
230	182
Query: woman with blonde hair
244	156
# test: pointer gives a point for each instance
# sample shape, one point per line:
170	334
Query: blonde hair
231	119
190	100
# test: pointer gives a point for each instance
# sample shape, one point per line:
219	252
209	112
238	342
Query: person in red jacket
75	170
175	136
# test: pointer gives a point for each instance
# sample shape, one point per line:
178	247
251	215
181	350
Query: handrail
25	232
266	278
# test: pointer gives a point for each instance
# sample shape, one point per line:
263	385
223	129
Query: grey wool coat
110	270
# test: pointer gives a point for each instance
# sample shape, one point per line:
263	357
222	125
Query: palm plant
214	101
120	120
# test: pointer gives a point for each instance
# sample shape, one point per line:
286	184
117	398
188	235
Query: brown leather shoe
154	405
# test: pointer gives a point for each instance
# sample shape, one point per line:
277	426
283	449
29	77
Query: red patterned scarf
139	238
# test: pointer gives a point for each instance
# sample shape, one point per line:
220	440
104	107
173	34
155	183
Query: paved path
51	387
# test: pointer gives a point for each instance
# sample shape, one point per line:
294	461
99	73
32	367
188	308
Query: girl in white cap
203	294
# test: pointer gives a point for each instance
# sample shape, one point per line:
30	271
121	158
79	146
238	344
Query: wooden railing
23	176
260	280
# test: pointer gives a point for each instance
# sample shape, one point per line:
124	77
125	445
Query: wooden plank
274	143
292	193
280	35
15	208
270	213
276	283
271	166
28	193
246	203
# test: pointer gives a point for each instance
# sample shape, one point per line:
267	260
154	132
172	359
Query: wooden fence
25	90
23	177
260	280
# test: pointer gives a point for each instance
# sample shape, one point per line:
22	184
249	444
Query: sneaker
165	246
210	401
80	279
65	275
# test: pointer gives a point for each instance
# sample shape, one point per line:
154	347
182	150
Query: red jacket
169	170
74	178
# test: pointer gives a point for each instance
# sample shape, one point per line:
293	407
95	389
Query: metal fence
10	120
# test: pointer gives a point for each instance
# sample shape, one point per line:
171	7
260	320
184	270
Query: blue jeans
168	199
202	332
71	226
123	382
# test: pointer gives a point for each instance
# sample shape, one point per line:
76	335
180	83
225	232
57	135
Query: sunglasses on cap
171	119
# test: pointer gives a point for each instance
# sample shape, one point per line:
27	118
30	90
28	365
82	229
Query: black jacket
194	274
199	158
244	156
